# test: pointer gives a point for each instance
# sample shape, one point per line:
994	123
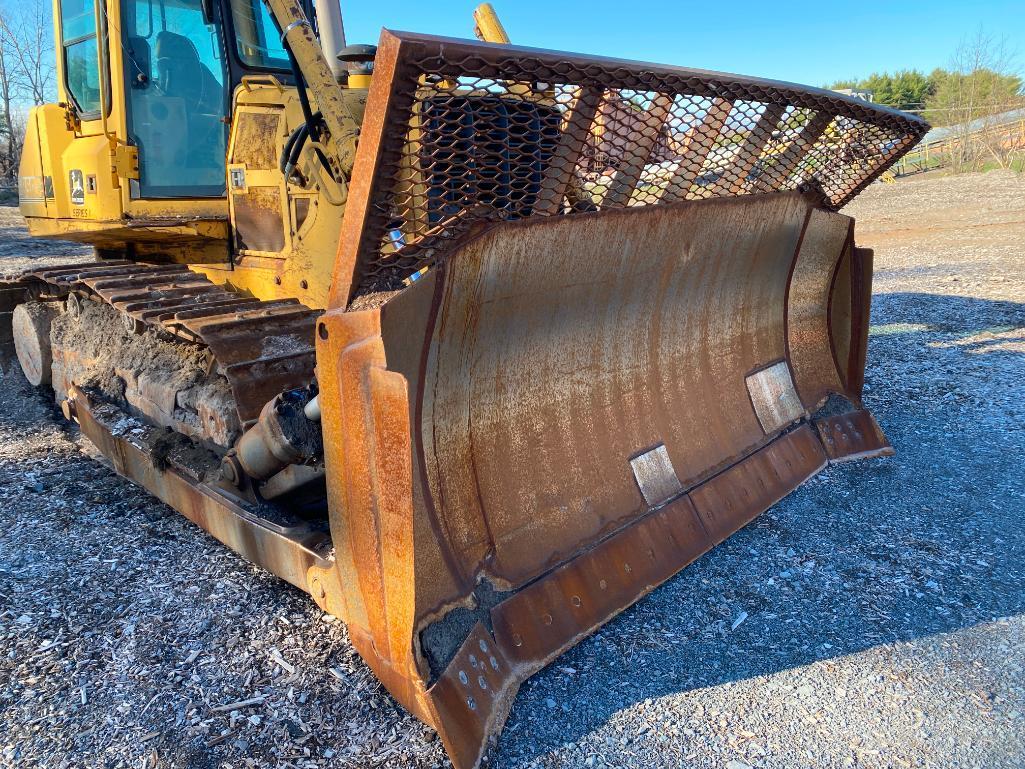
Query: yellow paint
301	269
126	161
58	143
488	27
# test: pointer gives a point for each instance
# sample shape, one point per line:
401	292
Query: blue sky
804	42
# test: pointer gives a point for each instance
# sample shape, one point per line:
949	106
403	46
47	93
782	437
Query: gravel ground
18	250
874	618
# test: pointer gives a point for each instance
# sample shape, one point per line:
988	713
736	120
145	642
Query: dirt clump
172	382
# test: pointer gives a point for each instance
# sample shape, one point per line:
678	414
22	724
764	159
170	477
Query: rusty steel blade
566	413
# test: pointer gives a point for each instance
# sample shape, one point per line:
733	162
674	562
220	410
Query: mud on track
874	618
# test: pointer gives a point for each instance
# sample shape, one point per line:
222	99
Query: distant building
858	93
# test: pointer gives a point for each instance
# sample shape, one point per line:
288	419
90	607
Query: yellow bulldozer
476	344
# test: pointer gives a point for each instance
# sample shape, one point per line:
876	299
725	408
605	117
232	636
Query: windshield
256	36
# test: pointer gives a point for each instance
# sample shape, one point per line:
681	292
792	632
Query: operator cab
176	99
179	54
139	137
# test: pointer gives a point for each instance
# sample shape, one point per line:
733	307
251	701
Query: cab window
81	65
256	36
175	73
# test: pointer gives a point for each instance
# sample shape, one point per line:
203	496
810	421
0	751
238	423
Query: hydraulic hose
294	146
286	151
313	119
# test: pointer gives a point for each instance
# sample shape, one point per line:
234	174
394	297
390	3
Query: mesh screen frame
770	136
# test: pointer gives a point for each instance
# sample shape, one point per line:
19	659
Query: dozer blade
588	318
565	414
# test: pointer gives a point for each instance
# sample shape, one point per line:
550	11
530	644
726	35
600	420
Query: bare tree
26	74
980	86
29	33
9	122
1001	142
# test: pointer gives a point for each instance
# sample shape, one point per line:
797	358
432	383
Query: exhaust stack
332	33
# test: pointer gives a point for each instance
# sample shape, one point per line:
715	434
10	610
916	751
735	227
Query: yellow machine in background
82	176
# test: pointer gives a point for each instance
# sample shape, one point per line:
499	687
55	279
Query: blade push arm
342	129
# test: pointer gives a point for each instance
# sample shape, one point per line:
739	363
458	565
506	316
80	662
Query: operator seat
182	75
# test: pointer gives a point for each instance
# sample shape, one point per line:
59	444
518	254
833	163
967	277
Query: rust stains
482	429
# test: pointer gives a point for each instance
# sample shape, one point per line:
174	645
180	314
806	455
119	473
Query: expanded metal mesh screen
473	133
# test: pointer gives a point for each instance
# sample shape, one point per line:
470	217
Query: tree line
981	81
938	93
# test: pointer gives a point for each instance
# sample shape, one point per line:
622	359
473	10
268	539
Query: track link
262	347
